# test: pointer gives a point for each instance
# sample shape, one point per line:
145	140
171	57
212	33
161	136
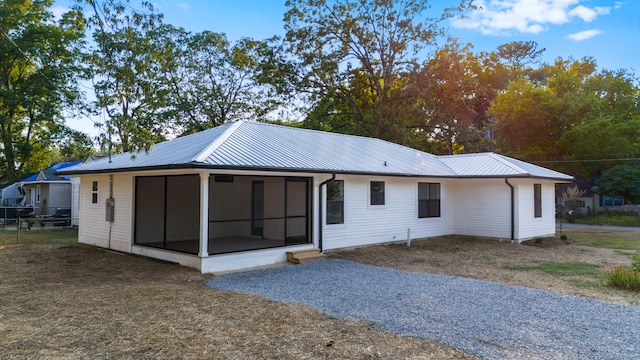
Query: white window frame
95	192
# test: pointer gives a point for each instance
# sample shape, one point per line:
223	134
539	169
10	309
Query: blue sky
607	30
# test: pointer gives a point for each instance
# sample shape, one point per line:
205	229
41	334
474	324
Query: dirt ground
78	302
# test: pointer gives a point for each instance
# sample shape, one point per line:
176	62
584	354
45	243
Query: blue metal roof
260	146
52	169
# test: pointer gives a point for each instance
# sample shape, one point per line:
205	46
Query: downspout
333	177
513	206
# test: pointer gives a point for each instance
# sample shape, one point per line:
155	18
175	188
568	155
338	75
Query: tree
526	126
74	145
210	81
601	144
364	43
622	181
517	55
37	80
453	91
123	67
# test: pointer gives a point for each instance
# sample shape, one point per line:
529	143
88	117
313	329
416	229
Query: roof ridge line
438	157
507	163
204	154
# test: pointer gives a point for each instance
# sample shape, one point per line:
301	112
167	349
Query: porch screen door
257	208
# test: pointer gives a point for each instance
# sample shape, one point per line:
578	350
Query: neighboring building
240	195
46	191
591	202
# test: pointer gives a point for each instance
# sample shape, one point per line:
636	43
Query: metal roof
260	146
494	165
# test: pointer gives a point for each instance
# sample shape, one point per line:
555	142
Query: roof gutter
324	183
513	207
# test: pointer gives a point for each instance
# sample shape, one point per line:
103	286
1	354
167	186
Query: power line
586	161
26	57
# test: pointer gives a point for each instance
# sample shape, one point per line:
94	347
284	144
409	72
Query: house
242	194
585	204
46	191
75	193
591	202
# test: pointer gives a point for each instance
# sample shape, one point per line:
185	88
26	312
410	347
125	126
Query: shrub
563	237
623	278
635	262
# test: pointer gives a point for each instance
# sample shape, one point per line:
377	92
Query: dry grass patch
551	268
77	302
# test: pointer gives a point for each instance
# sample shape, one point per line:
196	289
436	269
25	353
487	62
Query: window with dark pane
428	200
537	200
377	193
94	192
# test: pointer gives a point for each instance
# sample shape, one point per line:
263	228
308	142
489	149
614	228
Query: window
335	202
377	193
610	201
578	203
537	200
428	200
94	192
38	194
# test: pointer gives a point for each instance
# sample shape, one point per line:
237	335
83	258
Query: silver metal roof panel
496	165
260	146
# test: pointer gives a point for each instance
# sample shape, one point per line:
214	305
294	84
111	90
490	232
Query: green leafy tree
622	181
73	145
211	81
525	116
518	56
356	51
124	70
38	65
601	144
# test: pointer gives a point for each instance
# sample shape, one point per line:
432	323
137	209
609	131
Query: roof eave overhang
304	170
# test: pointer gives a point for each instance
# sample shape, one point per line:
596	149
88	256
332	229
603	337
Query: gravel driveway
487	319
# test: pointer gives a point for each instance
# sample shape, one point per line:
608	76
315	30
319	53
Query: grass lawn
611	220
60	236
569	268
617	240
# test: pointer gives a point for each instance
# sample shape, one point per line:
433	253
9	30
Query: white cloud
617	5
584	35
494	17
183	6
587	14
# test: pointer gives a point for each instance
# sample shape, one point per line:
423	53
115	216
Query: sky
606	30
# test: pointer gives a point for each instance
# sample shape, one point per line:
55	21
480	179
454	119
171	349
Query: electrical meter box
111	204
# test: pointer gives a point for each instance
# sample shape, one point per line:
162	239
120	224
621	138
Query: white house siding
366	224
75	201
482	207
94	229
527	225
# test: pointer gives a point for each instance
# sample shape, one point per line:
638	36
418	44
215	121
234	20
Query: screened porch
245	212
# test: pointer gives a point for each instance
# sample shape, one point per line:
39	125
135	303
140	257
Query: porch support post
204	215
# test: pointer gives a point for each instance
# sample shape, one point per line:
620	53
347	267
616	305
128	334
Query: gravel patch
486	319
